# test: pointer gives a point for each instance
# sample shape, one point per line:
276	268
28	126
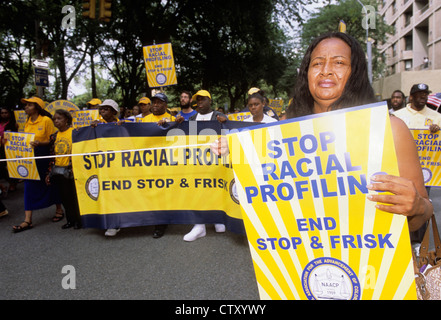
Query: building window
408	65
408	42
394	49
407	18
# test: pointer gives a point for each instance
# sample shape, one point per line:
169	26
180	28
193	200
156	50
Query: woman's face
30	108
255	106
108	113
329	70
4	114
60	121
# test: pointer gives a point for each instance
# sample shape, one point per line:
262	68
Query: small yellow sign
18	146
61	104
84	118
429	147
160	65
20	117
239	116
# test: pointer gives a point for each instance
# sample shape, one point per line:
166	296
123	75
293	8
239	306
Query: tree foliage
352	13
224	46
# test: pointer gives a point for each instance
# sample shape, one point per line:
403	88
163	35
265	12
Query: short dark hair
187	93
357	91
402	93
65	114
256	95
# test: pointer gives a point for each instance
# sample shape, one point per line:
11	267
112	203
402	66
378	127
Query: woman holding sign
333	75
37	195
61	174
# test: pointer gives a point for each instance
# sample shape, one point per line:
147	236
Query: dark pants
2	207
69	198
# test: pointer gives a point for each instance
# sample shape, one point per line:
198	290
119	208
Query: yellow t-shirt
63	145
152	118
43	127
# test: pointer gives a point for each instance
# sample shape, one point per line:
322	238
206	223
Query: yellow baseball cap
95	102
36	100
202	93
144	100
253	90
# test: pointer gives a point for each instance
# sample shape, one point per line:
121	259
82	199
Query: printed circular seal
161	78
93	187
330	279
22	171
427	174
233	191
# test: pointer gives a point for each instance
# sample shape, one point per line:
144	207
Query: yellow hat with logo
36	100
202	93
144	100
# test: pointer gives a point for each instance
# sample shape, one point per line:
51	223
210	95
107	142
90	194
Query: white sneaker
197	232
111	232
219	227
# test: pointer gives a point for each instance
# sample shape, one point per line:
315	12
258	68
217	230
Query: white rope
105	152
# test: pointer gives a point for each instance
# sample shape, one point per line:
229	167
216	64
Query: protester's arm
409	196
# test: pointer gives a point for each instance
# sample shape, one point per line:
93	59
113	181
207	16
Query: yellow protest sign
160	65
177	180
83	118
429	147
18	146
238	116
61	104
312	232
276	105
20	117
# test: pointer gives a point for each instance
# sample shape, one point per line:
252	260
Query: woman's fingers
403	198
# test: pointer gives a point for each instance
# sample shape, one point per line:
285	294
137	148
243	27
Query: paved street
132	265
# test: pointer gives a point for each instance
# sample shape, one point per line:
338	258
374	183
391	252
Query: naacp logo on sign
93	187
161	78
330	279
233	191
427	175
22	171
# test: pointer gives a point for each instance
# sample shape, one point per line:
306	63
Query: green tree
352	13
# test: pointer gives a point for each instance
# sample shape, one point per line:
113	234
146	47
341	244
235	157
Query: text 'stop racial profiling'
312	232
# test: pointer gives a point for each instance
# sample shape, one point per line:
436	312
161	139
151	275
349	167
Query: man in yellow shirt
159	110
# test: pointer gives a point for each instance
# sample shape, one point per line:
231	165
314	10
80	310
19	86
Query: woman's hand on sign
220	147
34	143
402	196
